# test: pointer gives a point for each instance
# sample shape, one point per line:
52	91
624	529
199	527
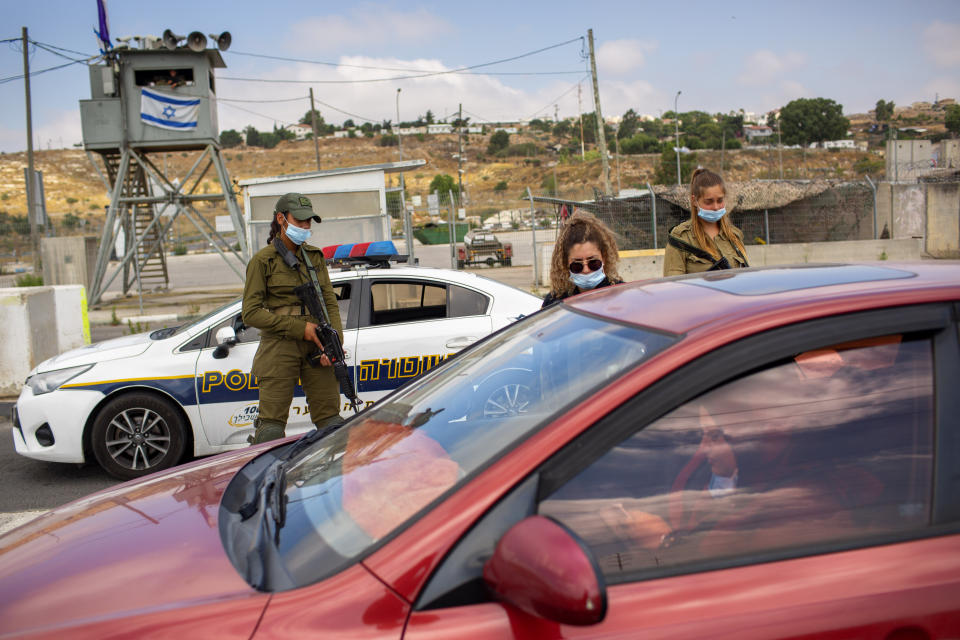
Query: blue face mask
297	235
587	281
711	216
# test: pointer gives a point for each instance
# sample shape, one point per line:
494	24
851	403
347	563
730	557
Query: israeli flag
168	112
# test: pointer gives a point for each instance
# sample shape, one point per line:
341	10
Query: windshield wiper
270	502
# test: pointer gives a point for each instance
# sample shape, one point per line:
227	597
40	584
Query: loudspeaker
170	39
197	41
223	40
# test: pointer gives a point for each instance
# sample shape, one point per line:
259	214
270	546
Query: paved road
200	270
30	487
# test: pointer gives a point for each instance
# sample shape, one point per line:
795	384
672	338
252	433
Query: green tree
499	141
952	119
430	118
539	125
500	186
884	110
252	135
563	128
230	138
283	133
666	172
443	184
640	143
629	124
348	124
808	120
549	184
388	140
306	119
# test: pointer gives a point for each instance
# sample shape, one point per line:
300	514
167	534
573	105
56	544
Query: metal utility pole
533	229
313	120
616	140
460	152
403	186
723	148
676	126
779	146
583	151
601	135
31	180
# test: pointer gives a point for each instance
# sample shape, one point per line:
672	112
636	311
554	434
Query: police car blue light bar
379	254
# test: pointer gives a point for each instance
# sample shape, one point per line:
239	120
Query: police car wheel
137	434
504	394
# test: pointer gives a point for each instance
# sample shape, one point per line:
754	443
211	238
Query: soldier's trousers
278	365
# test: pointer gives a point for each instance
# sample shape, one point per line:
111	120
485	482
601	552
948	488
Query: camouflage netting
753	196
766	211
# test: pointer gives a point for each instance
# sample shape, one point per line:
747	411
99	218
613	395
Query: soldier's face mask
297	235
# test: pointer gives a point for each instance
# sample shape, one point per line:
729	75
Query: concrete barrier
38	323
644	264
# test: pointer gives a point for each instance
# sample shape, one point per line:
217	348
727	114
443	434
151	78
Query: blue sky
721	55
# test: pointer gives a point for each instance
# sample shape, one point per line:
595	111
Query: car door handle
461	342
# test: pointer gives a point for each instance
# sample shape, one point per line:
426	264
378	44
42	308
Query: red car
751	454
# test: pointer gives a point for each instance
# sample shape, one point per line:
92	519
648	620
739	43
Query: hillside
72	185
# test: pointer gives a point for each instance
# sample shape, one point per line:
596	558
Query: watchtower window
164	77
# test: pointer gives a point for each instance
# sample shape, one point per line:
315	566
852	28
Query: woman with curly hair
584	258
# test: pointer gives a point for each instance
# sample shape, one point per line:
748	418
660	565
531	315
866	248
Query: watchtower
144	102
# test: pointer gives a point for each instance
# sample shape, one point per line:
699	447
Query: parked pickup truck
483	247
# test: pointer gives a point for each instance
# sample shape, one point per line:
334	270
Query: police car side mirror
226	337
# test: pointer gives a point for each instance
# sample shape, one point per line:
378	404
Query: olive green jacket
676	261
269	303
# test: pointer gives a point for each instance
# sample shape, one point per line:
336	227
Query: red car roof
681	304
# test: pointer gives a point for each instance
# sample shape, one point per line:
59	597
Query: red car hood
142	546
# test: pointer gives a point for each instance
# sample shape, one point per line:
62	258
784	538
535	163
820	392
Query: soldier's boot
328	425
267	430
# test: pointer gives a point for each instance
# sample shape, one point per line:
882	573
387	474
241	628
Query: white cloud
62	130
483	97
618	57
366	26
941	43
765	66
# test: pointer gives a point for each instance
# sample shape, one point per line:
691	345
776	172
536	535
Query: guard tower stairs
151	262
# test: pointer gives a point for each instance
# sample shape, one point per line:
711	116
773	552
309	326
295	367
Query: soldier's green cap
297	204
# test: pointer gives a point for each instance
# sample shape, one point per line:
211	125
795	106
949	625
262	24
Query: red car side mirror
544	569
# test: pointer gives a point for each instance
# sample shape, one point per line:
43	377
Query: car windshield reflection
359	485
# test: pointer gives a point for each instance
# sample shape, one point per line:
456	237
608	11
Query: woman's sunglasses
593	263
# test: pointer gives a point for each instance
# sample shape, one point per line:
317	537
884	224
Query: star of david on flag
167	111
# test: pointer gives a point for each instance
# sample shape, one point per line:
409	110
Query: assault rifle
311	298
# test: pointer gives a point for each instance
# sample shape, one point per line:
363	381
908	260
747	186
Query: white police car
140	403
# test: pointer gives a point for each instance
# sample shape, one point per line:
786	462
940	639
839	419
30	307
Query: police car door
408	325
229	398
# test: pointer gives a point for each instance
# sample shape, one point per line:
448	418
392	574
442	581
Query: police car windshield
360	485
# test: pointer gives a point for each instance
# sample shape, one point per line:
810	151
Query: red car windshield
364	482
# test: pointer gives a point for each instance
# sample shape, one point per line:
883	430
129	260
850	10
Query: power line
554	101
394	78
79	53
279	100
233	106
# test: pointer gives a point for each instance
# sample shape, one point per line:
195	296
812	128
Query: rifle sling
700	253
316	285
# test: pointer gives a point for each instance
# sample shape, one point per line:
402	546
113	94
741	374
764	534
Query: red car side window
833	445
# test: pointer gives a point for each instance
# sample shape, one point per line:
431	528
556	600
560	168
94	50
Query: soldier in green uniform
287	331
708	240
